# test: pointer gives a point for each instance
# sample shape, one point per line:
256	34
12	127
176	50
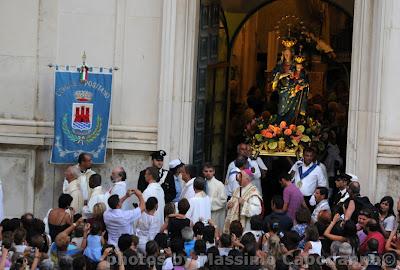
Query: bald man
118	177
73	188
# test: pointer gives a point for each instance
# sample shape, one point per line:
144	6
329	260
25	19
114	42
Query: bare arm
3	258
350	210
331	236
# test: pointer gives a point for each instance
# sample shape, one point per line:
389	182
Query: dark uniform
167	182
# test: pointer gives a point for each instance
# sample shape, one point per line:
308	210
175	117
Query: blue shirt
189	246
178	188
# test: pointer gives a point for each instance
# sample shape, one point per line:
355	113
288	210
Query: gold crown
299	59
288	43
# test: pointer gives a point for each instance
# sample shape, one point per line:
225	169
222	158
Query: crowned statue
291	82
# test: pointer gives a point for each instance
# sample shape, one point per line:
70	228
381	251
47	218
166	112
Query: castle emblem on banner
82	118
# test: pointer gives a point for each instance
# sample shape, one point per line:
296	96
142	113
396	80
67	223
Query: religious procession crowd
184	219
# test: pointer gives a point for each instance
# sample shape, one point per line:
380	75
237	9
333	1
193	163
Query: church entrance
240	48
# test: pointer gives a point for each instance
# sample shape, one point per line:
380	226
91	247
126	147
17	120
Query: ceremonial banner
82	109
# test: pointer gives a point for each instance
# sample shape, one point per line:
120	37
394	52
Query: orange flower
288	132
265	133
292	127
277	131
271	127
283	124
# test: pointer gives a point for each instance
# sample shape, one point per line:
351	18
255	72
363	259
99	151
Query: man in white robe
200	204
154	189
216	191
189	173
98	196
118	187
84	166
245	202
245	151
73	188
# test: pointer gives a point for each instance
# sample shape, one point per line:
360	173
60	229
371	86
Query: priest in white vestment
97	196
154	189
246	202
73	188
188	176
200	204
215	189
84	166
118	187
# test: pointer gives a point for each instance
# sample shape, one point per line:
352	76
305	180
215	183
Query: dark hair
311	233
78	262
350	233
373	244
198	228
200	247
151	203
277	201
373	226
151	248
256	223
19	236
191	170
39	241
169	209
95	228
208	165
249	242
390	201
183	206
225	240
209	234
64	201
162	240
177	245
124	242
240	161
323	191
285	176
199	183
303	216
236	228
82	156
95	180
309	150
291	240
154	172
113	201
354	188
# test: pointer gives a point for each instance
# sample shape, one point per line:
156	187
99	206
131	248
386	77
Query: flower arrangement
268	136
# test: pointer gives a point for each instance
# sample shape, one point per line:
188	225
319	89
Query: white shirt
155	190
309	183
188	190
200	208
232	184
147	228
321	206
252	164
216	192
119	222
119	188
97	197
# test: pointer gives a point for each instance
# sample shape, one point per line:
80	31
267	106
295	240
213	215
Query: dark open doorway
234	54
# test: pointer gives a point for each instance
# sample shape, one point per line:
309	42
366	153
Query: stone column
365	93
177	79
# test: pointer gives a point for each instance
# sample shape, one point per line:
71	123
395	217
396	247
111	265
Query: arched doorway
244	53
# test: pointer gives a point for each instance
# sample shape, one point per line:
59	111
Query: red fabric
381	242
